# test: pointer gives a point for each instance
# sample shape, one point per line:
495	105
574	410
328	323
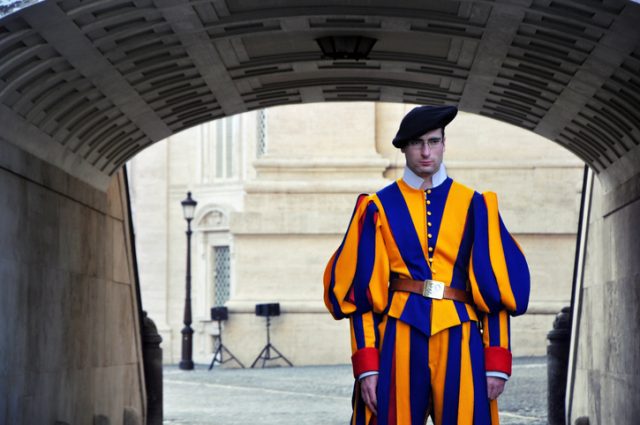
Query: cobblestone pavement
312	395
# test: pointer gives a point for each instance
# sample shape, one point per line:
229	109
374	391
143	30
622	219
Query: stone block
284	133
131	416
119	332
115	204
121	265
101	420
13	310
14	220
529	334
98	319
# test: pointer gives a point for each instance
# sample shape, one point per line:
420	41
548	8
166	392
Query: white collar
416	182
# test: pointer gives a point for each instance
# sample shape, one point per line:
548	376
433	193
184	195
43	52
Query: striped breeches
442	376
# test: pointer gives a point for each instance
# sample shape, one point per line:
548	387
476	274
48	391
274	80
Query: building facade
275	190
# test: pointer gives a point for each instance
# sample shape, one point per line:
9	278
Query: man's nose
426	150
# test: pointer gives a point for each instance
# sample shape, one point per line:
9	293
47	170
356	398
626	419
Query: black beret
423	119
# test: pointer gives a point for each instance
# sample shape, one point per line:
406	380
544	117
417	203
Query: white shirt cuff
365	374
494	374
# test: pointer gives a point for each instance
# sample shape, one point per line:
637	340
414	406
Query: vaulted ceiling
86	84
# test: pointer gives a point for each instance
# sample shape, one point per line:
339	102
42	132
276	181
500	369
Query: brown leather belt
431	289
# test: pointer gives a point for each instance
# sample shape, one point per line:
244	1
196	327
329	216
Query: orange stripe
443	315
486	337
415	202
496	252
398	303
452	227
354	345
379	283
438	354
504	329
369	330
495	418
402	373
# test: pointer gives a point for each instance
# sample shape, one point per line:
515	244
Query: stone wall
607	374
69	344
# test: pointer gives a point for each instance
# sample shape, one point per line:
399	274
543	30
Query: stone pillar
557	363
152	354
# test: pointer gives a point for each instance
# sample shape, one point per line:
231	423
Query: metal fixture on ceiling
354	47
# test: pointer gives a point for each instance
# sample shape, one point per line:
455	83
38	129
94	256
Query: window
226	147
221	275
262	132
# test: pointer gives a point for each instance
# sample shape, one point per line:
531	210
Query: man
424	264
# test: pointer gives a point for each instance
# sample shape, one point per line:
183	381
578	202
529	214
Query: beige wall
70	334
296	200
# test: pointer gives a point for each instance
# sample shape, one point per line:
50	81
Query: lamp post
186	363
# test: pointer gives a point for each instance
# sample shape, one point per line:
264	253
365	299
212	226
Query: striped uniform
430	353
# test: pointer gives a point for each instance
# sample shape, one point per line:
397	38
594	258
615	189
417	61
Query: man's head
424	154
421	137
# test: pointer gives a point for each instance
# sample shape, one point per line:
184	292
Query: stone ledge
329	164
314	187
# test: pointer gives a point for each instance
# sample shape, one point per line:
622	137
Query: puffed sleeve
500	280
356	283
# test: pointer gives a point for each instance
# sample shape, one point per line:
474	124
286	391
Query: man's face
424	154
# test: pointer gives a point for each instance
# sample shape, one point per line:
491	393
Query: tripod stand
219	314
268	310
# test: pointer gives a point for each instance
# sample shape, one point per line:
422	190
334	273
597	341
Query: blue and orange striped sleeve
356	280
500	280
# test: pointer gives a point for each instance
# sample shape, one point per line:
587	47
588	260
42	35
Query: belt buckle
433	289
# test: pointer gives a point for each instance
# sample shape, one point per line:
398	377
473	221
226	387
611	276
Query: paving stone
313	395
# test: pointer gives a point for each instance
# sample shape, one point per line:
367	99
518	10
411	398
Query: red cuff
365	360
497	359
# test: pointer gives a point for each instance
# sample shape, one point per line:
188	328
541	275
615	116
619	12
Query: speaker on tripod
220	314
268	311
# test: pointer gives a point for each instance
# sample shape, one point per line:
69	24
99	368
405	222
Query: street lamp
188	209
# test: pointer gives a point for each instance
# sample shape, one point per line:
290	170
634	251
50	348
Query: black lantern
186	363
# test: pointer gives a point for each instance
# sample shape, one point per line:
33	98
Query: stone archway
86	85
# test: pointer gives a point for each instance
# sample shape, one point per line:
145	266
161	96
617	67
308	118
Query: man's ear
402	149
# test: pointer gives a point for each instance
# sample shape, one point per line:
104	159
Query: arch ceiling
85	84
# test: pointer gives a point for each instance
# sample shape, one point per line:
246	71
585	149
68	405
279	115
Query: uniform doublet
451	234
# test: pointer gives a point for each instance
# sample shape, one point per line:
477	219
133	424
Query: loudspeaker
219	313
268	310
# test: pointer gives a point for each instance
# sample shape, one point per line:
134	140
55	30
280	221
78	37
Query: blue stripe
366	257
377	318
518	270
481	261
358	330
386	366
493	320
481	412
404	231
452	378
462	311
420	377
417	313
